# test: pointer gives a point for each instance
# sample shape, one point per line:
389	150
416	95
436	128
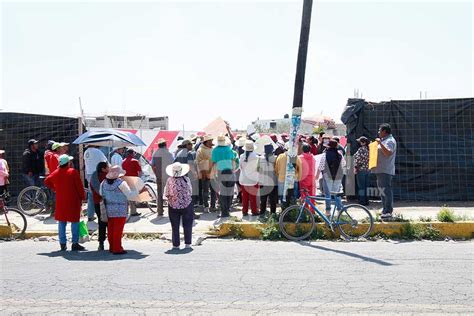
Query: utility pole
298	96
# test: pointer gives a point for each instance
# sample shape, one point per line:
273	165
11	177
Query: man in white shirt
92	157
117	157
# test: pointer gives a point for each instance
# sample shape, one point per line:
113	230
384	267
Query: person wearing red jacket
308	170
66	183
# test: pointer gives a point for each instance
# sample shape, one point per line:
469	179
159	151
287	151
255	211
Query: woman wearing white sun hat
178	191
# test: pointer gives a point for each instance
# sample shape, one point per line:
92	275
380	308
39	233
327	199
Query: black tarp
435	144
17	128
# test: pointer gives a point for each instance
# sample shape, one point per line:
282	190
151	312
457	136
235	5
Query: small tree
318	129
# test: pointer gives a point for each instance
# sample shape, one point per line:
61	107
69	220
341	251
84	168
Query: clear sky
194	61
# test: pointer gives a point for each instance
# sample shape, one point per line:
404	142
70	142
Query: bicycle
33	200
13	219
353	221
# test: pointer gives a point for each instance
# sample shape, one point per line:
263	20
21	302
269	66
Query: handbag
103	211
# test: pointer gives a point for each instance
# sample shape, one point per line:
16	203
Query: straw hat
115	172
249	146
177	170
262	142
241	142
161	141
223	140
207	138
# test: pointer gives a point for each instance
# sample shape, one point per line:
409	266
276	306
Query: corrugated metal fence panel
435	146
18	128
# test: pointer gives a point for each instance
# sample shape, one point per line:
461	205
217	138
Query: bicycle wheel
15	220
296	223
32	200
153	203
355	221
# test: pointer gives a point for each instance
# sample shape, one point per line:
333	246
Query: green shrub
445	215
272	230
317	234
419	232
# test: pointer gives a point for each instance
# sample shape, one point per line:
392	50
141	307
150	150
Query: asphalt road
227	277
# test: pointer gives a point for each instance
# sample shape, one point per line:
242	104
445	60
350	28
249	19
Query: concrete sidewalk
148	222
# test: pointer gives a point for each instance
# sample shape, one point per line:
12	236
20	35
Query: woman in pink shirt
178	191
3	175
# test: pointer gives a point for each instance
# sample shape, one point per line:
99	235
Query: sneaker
63	247
101	246
386	215
175	248
136	214
77	247
187	247
196	216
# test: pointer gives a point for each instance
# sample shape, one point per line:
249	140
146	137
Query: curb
461	230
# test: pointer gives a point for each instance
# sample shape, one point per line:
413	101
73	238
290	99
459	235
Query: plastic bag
83	233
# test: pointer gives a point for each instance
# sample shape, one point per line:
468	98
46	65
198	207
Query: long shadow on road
94	255
350	254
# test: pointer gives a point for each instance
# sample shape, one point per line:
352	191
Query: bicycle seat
339	194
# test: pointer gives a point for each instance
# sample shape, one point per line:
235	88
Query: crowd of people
204	173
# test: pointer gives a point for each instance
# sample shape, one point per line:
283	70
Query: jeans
195	191
329	186
290	195
30	181
226	188
187	217
281	188
296	190
102	225
384	184
206	186
362	178
74	232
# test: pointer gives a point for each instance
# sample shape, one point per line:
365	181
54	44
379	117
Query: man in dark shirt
32	164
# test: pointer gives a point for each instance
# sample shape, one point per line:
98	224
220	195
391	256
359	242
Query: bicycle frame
314	209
